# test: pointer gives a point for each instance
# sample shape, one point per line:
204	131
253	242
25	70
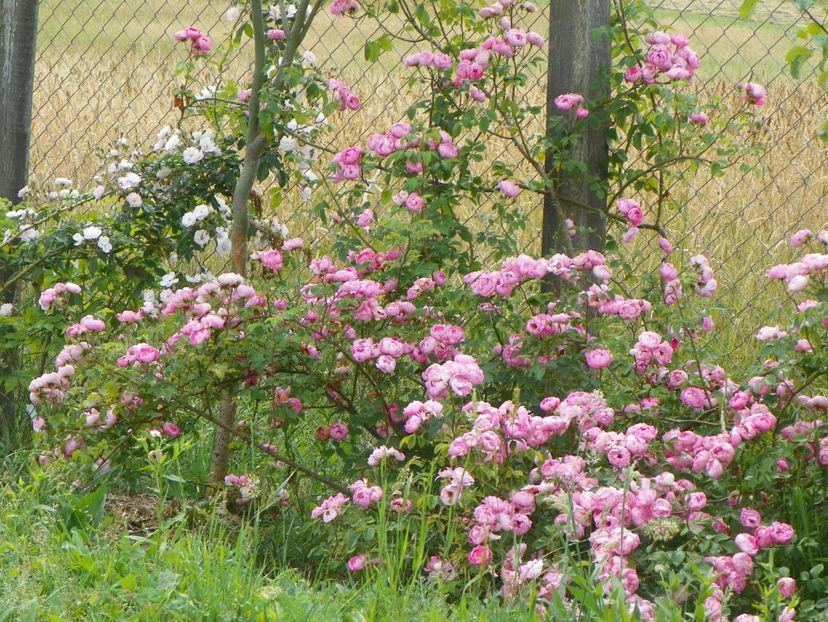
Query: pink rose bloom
338	431
786	587
276	34
660	57
480	555
693	397
568	101
170	429
781	533
633	74
414	202
356	563
341	7
508	188
699	118
581	113
598	359
800	238
747	544
755	94
750	518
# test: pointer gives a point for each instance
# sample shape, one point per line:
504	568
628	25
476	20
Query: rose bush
512	423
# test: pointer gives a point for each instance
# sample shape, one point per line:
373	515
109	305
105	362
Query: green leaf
796	56
747	8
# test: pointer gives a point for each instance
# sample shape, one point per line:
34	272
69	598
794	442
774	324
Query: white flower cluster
201	144
26	230
91	233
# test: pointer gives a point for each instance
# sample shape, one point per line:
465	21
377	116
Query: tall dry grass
93	88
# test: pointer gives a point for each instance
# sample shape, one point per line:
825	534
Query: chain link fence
104	71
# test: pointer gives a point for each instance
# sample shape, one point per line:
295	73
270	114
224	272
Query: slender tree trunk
254	147
579	62
18	34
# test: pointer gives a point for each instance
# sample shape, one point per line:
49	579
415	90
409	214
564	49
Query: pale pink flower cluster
71	353
458	376
622	449
668	56
411	201
271	259
458	479
548	325
732	571
349	165
755	94
130	317
516	270
627	309
686	450
567	101
441	341
651	350
245	485
495	515
417	413
88	324
439	570
438	60
139	354
200	45
330	508
57	294
426	284
341	7
516	573
386	352
364	495
344	96
672	286
706	285
508	188
92	419
381	453
392	141
798	275
51	387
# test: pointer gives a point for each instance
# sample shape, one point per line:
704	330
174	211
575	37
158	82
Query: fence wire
104	71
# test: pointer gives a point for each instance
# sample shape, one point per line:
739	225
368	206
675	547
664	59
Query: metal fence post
18	36
579	62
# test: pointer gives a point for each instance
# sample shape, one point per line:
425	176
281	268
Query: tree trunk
18	34
578	63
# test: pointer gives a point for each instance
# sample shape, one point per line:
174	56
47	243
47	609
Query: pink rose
786	587
356	563
480	555
598	359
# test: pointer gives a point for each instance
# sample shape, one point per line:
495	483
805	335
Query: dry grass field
106	72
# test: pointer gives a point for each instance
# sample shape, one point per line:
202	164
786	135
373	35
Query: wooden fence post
578	63
18	35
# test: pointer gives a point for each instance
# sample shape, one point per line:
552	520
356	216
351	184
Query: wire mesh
104	71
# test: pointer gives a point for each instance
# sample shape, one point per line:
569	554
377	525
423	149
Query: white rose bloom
224	246
201	212
28	233
173	143
192	155
63	181
129	181
134	199
164	132
208	92
124	165
23	192
201	237
310	176
98	192
188	219
223	209
287	144
78	237
6	309
306	193
309	58
92	232
163	172
104	244
168	280
233	14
